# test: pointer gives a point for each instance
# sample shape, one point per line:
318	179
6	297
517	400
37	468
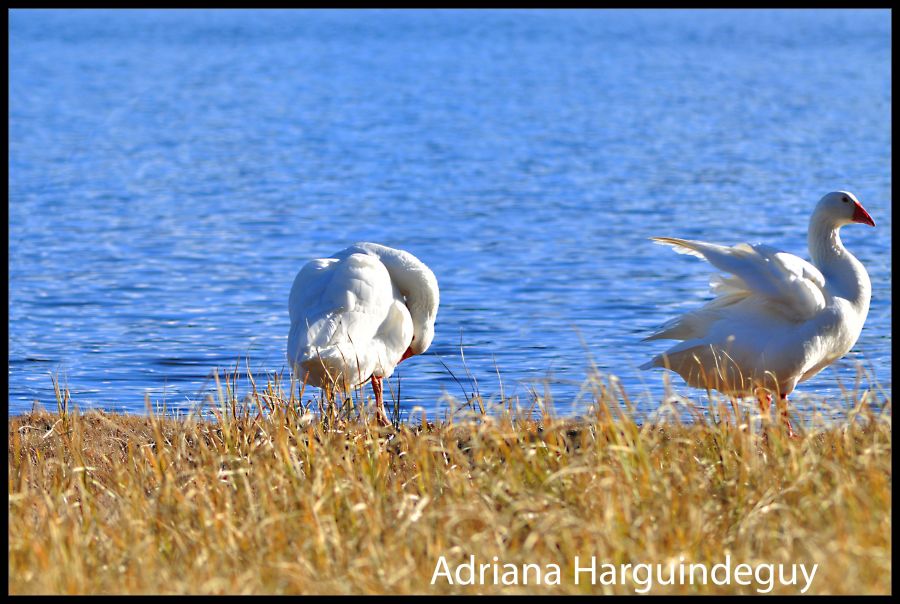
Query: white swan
357	315
777	320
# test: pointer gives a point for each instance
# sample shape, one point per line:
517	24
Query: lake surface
170	172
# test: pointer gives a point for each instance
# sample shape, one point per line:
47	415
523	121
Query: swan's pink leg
380	415
787	418
765	403
764	398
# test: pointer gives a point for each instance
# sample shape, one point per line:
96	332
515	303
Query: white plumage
356	315
777	320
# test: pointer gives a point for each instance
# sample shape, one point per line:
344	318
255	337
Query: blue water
170	172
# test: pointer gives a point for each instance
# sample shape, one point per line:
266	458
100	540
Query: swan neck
844	275
825	245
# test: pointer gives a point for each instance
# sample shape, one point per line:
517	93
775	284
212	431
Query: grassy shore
271	499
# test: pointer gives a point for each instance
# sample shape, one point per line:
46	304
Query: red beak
406	355
860	215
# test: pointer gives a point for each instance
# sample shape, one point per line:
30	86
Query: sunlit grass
275	496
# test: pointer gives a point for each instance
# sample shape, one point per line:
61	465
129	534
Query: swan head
423	304
423	328
842	207
422	339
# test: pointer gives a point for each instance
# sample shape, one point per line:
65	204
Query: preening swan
777	320
356	315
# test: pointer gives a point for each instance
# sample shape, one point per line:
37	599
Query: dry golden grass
272	500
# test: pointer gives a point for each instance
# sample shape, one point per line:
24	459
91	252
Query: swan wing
309	286
787	284
337	308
